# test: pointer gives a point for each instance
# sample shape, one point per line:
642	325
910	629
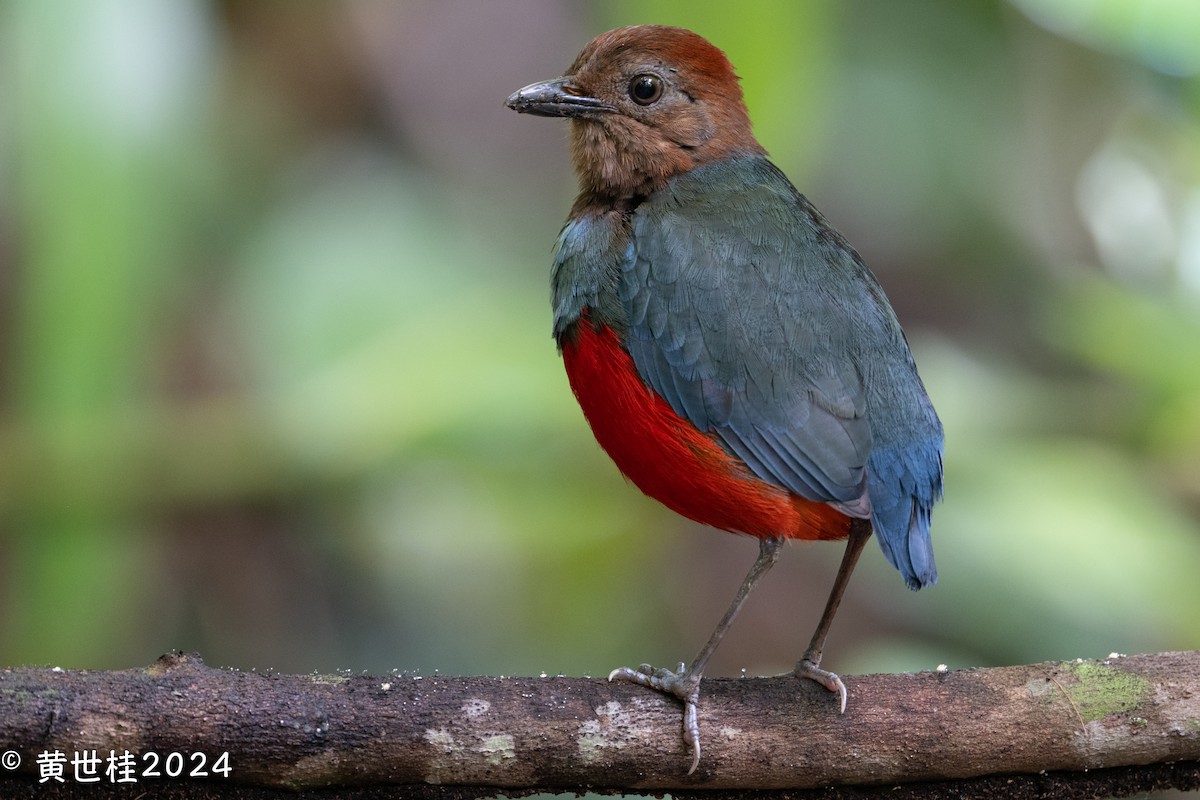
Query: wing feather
757	322
726	325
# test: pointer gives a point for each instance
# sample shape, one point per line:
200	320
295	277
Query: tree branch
1038	726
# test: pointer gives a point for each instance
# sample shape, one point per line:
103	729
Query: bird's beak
556	98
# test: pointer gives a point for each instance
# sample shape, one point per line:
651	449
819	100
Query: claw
639	676
675	683
678	684
691	726
809	669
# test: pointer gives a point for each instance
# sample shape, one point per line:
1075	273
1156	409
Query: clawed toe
809	669
679	684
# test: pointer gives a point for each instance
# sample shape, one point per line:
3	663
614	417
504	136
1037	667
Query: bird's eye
645	89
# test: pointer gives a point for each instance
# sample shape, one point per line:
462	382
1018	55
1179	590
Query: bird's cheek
692	130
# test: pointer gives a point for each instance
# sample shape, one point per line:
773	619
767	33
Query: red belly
666	457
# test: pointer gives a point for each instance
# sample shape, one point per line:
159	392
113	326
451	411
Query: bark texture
1033	731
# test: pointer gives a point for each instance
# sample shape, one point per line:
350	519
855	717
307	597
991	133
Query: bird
731	352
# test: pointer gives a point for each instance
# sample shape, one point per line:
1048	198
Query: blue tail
904	483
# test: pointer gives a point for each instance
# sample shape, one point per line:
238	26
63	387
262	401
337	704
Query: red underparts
672	461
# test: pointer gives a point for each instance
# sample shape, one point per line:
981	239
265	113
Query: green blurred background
277	382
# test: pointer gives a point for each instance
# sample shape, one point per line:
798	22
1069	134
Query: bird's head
646	102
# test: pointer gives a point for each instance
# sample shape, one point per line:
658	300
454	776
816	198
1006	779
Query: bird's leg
685	684
809	665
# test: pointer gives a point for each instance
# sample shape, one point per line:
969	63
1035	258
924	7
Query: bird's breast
672	461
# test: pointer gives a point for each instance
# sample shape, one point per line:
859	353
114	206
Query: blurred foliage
276	381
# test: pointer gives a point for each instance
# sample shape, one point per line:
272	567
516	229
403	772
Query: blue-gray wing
741	308
756	321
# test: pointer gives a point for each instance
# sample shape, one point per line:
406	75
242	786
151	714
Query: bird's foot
807	668
680	684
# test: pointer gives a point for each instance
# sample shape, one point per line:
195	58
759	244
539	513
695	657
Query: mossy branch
1116	726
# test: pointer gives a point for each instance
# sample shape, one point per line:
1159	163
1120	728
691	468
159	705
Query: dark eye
645	89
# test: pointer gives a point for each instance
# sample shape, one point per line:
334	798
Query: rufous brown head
646	102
